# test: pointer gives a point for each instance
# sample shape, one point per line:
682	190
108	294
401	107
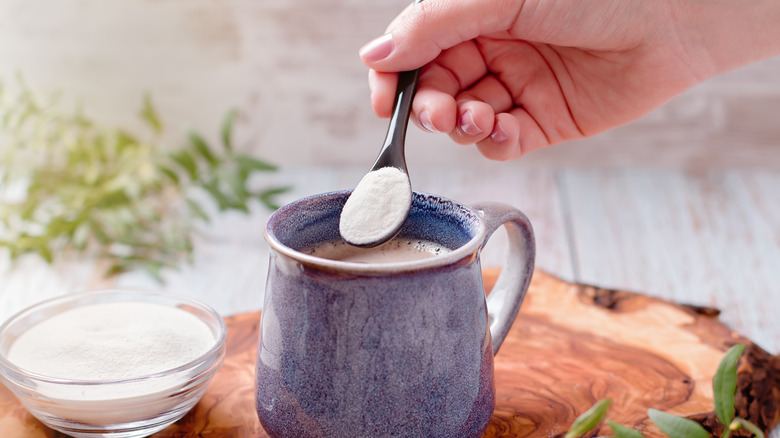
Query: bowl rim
13	372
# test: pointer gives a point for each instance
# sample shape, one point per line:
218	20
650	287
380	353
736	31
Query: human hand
513	76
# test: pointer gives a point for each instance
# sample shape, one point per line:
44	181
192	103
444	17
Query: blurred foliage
69	185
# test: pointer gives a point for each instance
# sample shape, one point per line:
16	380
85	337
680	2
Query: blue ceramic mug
402	349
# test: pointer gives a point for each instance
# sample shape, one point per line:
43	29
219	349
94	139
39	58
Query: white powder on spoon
377	207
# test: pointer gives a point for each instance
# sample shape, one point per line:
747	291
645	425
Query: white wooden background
683	204
292	69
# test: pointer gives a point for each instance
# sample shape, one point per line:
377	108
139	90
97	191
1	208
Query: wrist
732	33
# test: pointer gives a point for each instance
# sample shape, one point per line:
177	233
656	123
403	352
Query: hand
513	76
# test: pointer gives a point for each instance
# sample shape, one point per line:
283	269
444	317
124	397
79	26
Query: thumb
425	29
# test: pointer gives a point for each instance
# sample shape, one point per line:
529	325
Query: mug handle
507	295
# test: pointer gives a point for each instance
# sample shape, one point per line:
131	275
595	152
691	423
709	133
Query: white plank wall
708	238
291	68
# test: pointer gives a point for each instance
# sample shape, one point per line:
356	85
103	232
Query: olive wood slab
571	346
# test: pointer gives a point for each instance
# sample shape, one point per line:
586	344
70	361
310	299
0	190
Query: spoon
378	207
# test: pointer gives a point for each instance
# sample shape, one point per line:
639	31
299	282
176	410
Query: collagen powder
111	343
378	206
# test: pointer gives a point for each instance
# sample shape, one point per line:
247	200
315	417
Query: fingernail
378	48
426	122
498	135
467	124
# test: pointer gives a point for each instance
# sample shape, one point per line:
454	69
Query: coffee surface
394	251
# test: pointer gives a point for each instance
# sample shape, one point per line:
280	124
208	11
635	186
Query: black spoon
369	224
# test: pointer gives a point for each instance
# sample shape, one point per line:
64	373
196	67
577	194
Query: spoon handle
392	153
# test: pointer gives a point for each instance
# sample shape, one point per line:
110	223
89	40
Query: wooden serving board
571	346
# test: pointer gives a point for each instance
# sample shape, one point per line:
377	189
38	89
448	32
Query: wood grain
571	346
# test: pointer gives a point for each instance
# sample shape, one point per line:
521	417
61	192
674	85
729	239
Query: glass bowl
124	408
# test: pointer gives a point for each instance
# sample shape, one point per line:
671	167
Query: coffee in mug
396	250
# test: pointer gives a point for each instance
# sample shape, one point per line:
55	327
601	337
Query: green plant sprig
72	186
724	393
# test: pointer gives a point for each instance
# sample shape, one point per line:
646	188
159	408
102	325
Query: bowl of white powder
119	363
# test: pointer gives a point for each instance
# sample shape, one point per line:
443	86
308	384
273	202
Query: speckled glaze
385	350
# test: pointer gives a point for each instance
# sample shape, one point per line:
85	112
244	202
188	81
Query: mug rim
455	255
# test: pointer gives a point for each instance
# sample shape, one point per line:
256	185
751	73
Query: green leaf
187	162
124	141
741	422
266	197
59	226
118	268
237	183
99	231
45	252
201	147
677	427
112	199
188	246
173	176
251	164
223	203
724	384
621	431
81	236
589	419
197	211
127	264
227	130
27	211
149	114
